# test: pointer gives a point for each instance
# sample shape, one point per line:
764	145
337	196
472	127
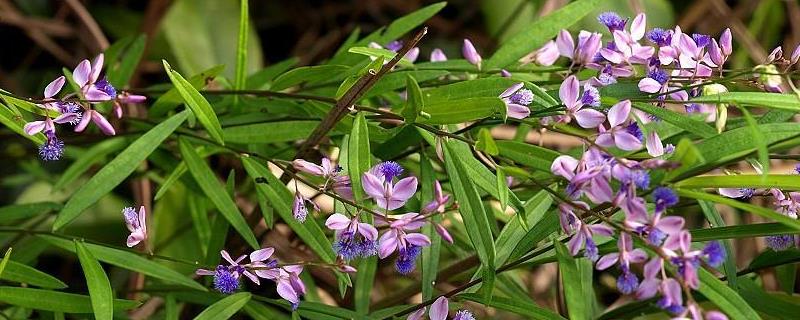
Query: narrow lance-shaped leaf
784	182
241	51
96	280
213	189
40	299
117	170
129	261
197	103
715	219
430	254
475	217
761	211
24	274
760	142
414	102
573	288
724	297
5	261
225	308
359	160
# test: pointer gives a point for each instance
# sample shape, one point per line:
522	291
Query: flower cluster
599	177
355	238
78	108
261	265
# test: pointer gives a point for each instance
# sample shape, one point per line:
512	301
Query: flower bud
469	52
725	42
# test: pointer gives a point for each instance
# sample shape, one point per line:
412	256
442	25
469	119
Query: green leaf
123	71
573	287
741	231
479	88
759	140
462	110
270	132
48	300
681	121
129	261
527	154
307	74
538	32
5	261
724	297
97	282
784	101
17	212
241	51
715	220
514	235
476	219
518	306
117	170
225	308
180	169
760	211
21	273
735	144
359	160
197	103
396	80
94	155
262	79
430	254
486	142
386	54
414	103
502	188
16	123
765	303
213	189
785	182
172	98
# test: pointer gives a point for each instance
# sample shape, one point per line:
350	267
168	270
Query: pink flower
86	76
569	92
406	244
137	225
353	238
622	136
378	184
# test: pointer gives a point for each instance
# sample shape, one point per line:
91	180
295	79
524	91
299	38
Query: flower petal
373	186
337	221
307	167
439	309
418	239
54	87
261	254
607	261
649	85
626	141
589	118
97	66
81	73
103	124
638	26
565	44
568	92
34	127
619	113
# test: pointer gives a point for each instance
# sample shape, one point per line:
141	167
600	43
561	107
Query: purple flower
325	170
463	315
517	100
437	55
439	200
378	184
226	278
702	40
619	134
52	149
780	242
406	244
714	253
353	238
584	53
86	76
289	285
627	281
52	89
664	198
394	45
136	223
612	21
687	261
583	232
569	92
656	228
98	120
469	53
589	176
299	209
725	42
741	193
660	37
672	299
591	96
547	54
225	281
